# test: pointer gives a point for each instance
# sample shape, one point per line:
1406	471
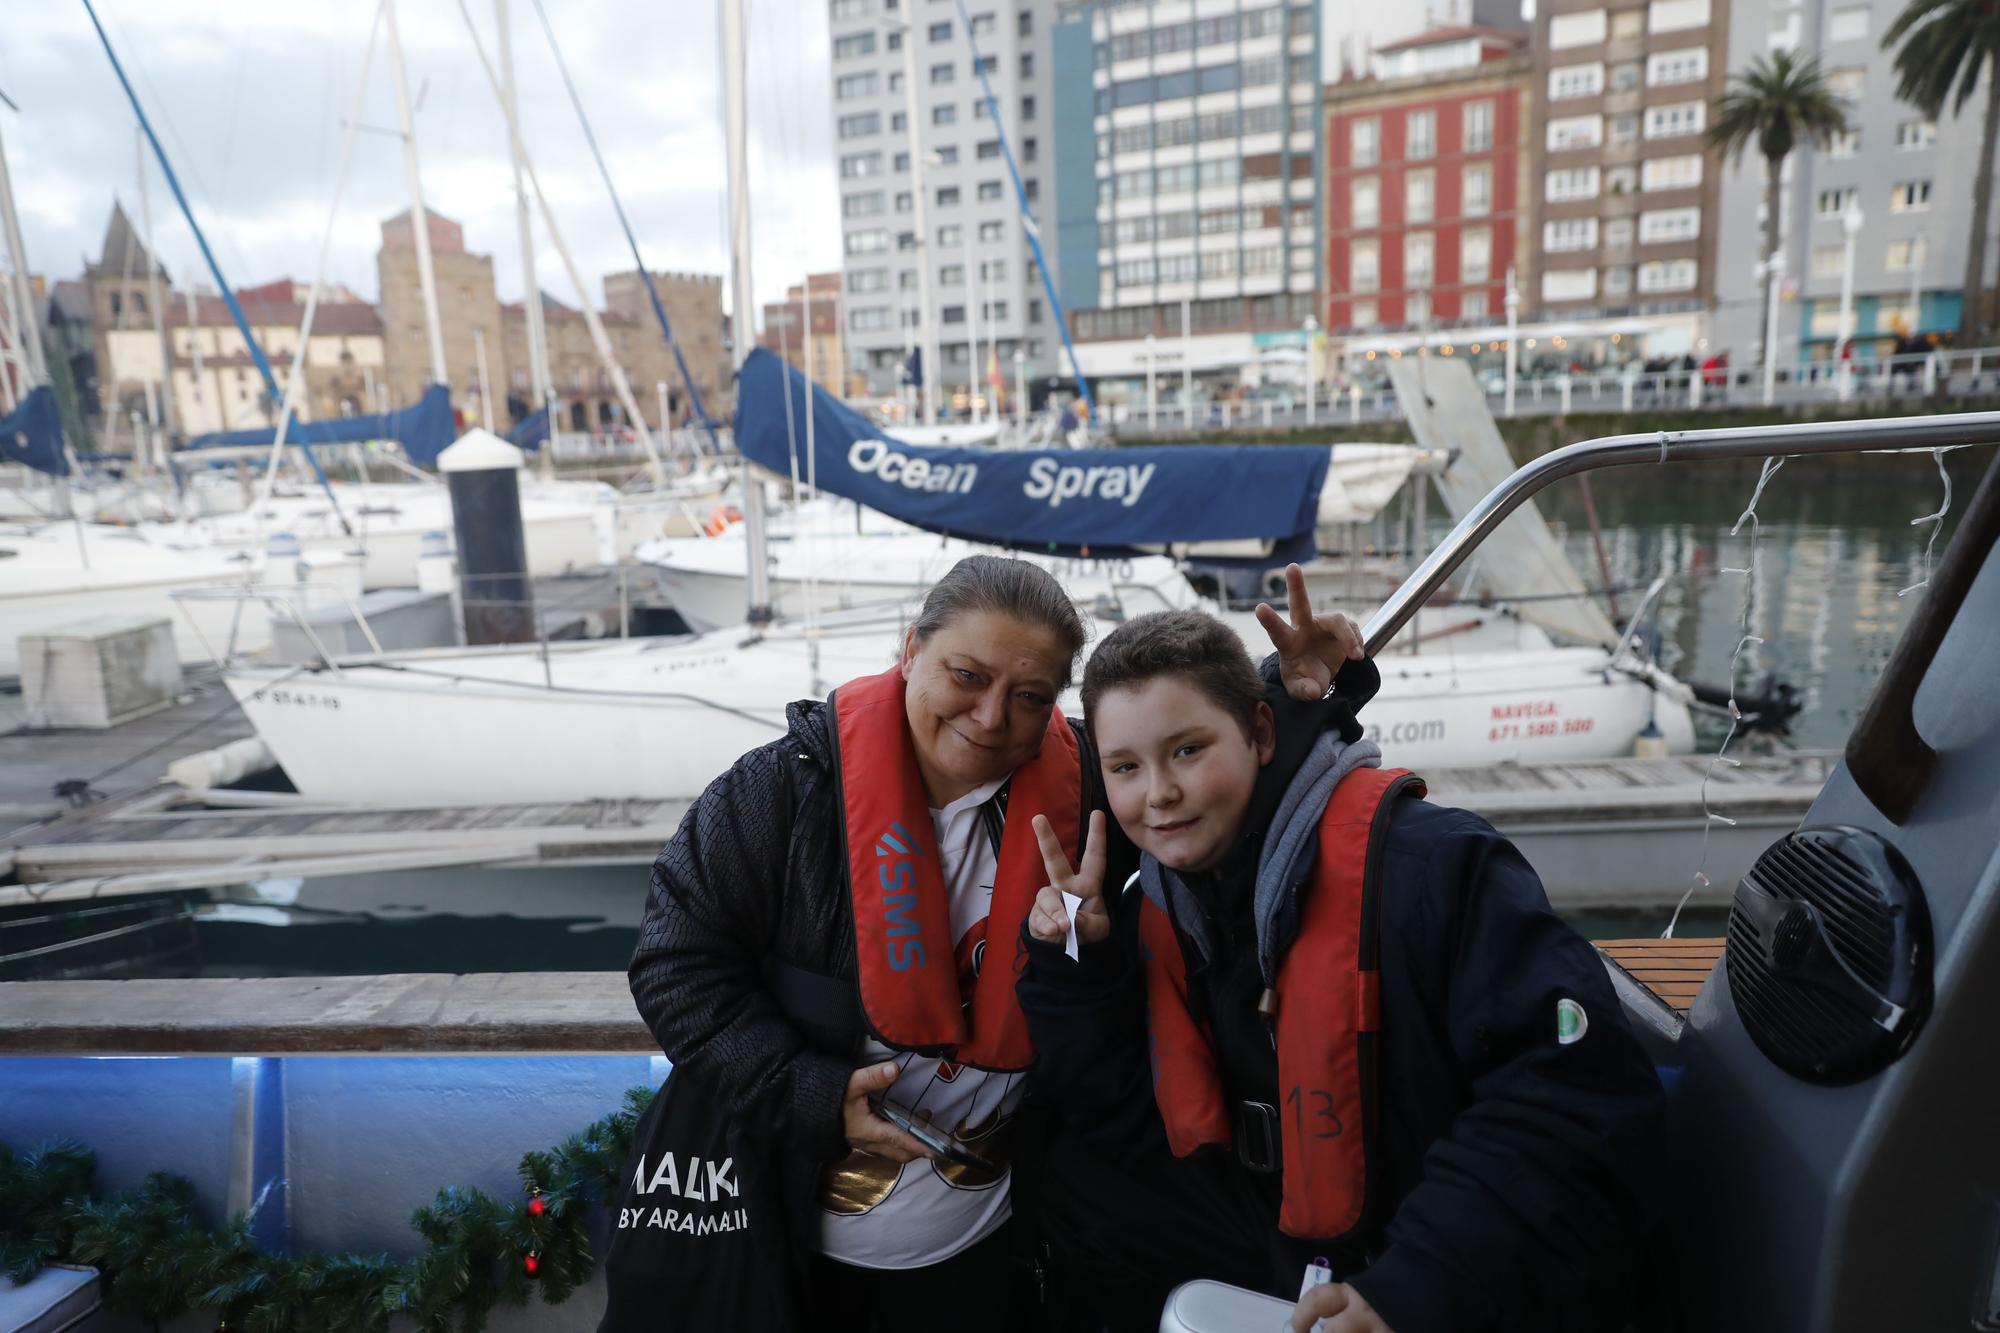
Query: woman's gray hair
1015	588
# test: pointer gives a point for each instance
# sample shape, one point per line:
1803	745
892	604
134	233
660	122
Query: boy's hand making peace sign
1311	648
1048	921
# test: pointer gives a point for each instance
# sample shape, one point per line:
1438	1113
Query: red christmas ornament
531	1265
535	1205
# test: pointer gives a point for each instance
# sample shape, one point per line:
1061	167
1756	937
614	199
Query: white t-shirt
882	1214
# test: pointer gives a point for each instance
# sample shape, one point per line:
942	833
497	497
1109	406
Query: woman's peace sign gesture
1311	648
1048	921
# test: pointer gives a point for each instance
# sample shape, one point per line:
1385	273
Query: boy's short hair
1192	645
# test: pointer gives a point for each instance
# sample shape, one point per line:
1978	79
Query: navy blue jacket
1512	1171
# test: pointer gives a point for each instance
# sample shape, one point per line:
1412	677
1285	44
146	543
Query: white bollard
1694	388
1354	403
1564	386
1626	395
1267	414
1930	374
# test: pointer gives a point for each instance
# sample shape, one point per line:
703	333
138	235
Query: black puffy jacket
746	973
1511	1170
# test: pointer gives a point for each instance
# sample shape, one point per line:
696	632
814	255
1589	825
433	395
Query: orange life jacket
1329	1015
902	915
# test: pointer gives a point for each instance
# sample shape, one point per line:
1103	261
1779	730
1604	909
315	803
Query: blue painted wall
350	1146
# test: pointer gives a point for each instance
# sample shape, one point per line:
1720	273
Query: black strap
993	817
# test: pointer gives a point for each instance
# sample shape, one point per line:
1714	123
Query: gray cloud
247	96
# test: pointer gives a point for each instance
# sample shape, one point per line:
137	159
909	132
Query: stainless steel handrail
1887	435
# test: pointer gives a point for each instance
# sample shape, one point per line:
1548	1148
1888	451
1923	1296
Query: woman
812	960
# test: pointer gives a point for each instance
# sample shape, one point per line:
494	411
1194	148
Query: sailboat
659	720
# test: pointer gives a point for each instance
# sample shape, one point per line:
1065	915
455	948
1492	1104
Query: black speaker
1830	957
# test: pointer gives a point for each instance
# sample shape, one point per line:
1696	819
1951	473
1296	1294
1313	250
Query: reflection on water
1836	547
575	919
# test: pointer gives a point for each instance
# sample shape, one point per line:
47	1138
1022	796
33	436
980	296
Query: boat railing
290	599
1882	435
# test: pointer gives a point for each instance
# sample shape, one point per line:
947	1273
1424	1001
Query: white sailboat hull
61	573
659	720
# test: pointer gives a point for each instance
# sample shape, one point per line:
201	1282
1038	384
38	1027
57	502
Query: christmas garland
159	1262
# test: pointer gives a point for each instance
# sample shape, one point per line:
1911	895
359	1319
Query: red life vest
902	913
1329	1013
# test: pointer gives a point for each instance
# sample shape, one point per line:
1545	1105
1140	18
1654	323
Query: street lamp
1513	322
1776	275
1311	328
1850	222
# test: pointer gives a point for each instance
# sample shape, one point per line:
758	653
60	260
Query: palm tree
1946	42
1777	104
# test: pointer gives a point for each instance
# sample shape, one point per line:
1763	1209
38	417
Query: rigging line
1028	224
207	195
645	274
295	380
229	297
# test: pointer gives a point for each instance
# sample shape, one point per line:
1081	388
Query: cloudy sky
249	97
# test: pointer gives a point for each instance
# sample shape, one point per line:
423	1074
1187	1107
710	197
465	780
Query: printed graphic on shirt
674	1183
896	1215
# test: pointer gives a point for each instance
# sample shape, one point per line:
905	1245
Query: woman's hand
868	1132
1048	921
1340	1307
1311	648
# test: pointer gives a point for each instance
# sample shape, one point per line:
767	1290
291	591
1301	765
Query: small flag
993	375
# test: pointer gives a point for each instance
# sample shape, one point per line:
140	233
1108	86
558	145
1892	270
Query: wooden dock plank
1674	970
515	1013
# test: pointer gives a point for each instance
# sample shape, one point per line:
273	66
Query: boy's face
1178	769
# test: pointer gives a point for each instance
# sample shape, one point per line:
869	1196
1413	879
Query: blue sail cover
32	433
1066	501
424	430
532	431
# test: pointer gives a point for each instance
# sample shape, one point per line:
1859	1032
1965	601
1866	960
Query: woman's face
978	694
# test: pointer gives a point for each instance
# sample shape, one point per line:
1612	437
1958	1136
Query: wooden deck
1580	823
518	1013
1674	970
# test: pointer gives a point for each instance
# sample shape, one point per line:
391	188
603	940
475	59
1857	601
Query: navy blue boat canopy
1066	501
32	433
424	429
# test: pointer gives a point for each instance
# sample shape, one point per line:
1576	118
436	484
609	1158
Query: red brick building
1427	202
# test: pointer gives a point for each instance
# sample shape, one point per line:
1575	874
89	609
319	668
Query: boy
1339	1023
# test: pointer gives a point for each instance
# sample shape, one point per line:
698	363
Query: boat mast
531	302
256	349
420	227
163	405
620	385
734	116
27	331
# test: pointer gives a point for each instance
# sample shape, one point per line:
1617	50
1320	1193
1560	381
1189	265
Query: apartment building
815	347
1904	181
1189	214
1628	188
1427	202
973	241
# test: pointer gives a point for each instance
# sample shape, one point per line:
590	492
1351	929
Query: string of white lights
1936	520
1747	640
